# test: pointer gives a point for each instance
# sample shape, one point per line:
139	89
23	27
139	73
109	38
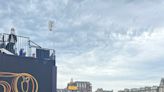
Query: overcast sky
114	44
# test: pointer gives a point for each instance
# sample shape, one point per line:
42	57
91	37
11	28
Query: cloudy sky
114	44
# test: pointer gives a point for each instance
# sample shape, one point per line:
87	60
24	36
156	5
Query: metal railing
25	45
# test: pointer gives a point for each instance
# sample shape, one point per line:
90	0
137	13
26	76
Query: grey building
161	86
62	90
121	91
154	89
147	89
126	90
134	90
83	86
108	91
142	89
101	90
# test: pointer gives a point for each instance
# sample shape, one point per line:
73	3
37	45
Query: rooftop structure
27	46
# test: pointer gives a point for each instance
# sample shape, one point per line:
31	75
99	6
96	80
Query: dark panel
42	53
44	71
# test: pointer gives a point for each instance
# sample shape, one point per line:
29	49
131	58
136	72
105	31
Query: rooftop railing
28	47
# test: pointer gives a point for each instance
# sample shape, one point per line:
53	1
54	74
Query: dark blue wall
44	71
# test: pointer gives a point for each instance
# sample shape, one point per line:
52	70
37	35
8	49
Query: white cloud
136	60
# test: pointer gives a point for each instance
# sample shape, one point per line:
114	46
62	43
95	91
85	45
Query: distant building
83	86
121	91
79	86
107	91
142	89
101	90
126	90
161	86
62	90
154	89
135	90
72	87
147	89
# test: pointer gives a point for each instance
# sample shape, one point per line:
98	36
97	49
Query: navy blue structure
45	71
